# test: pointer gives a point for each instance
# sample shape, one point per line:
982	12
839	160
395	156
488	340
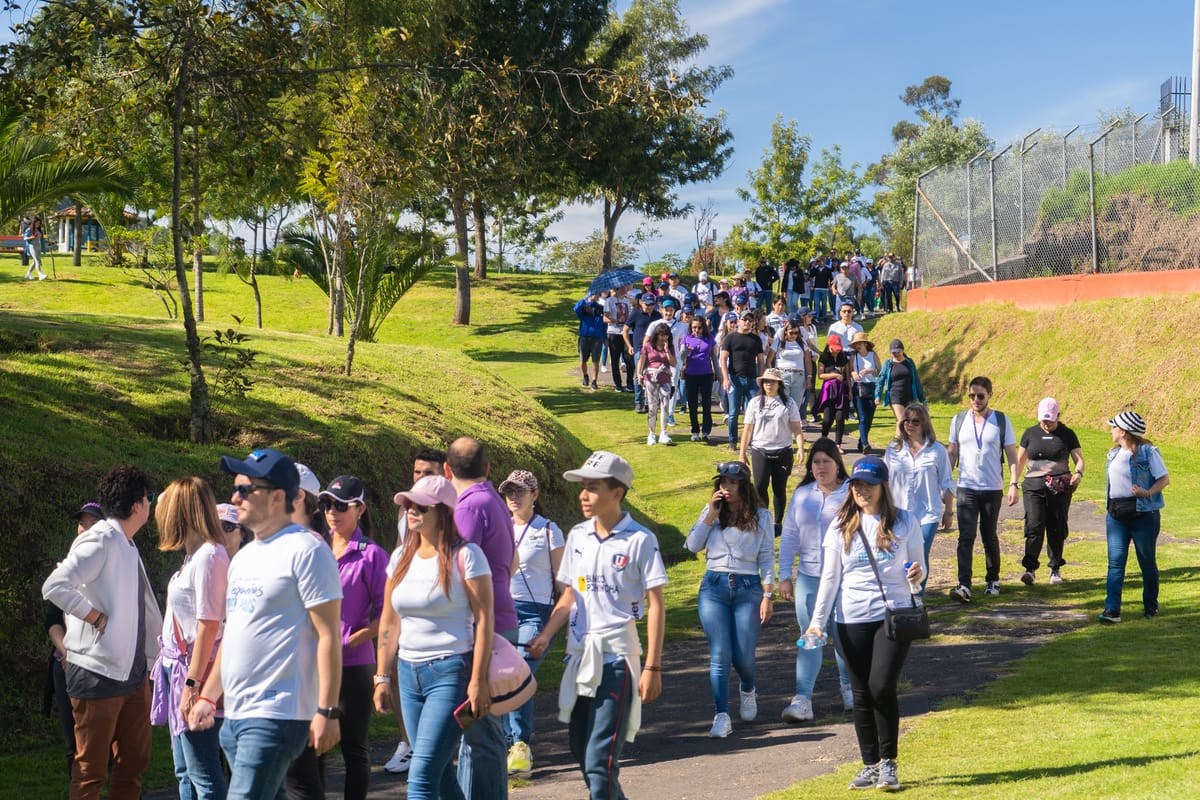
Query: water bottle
915	585
811	641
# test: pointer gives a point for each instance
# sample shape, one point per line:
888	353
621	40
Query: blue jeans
793	302
531	618
928	531
865	406
729	607
808	662
822	304
1142	530
258	751
597	731
638	394
198	769
741	389
483	754
429	693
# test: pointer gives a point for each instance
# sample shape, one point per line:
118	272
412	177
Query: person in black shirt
1045	450
821	274
742	361
765	276
634	332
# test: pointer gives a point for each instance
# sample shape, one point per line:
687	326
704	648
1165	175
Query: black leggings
772	467
618	355
698	391
306	775
874	662
828	415
1045	518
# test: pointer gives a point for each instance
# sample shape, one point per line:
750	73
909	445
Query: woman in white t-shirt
539	552
773	423
849	586
442	592
187	520
737	589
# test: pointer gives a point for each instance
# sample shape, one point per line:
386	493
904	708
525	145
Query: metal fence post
992	193
1021	182
917	216
970	210
1064	155
1162	134
1092	203
1135	124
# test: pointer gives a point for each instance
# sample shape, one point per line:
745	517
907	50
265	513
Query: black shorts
590	347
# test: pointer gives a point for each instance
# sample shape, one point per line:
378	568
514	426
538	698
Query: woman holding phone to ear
441	588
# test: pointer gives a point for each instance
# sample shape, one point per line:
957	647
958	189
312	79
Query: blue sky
838	67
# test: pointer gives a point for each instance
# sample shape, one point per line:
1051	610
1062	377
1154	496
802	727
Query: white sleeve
789	540
697	538
766	548
831	579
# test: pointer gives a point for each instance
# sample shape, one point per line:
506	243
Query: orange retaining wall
1039	293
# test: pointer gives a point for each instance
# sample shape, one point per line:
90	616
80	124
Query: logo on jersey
619	561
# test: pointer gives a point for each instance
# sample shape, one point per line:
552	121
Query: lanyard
979	431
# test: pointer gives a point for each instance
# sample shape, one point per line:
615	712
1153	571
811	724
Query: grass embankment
1078	693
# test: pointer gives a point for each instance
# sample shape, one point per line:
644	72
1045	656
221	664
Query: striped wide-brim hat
1130	422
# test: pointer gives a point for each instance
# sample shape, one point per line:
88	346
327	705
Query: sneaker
628	390
695	437
962	594
42	277
722	726
670	422
867	778
799	710
651	439
585	381
638	408
1055	577
847	697
1026	578
1110	617
664	438
993	588
748	710
888	781
520	760
704	438
594	387
400	760
1151	614
603	368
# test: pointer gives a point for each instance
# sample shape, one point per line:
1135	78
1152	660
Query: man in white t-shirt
280	662
980	438
613	564
704	291
617	308
845	327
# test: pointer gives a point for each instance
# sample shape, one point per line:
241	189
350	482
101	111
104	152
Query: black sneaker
867	777
888	780
1110	617
585	381
1151	614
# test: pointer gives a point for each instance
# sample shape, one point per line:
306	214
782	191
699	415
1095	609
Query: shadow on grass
1046	771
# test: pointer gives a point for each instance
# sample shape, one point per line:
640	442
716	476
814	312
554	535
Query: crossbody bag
901	624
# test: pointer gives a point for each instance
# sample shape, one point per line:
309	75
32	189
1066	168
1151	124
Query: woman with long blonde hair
187	520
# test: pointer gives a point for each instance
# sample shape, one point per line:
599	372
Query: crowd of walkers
287	625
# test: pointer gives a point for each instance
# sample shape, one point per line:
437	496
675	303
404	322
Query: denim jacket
1139	467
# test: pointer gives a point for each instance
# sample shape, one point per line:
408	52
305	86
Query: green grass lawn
1083	716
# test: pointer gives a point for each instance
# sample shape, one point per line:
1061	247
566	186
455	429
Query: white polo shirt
979	451
610	576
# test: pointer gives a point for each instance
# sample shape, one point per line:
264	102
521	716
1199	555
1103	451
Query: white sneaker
603	368
1027	578
748	710
664	438
722	726
651	439
42	277
1055	577
799	710
993	588
847	697
400	760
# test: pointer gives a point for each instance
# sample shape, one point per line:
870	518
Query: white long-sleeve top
734	550
808	517
919	481
859	598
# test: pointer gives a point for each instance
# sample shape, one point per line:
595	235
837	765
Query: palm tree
34	171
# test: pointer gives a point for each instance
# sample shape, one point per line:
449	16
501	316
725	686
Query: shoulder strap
875	567
955	424
1002	424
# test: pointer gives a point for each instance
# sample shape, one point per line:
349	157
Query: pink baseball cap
429	491
1048	410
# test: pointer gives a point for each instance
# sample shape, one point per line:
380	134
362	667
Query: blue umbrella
614	279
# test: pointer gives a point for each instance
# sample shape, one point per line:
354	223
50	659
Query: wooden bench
12	244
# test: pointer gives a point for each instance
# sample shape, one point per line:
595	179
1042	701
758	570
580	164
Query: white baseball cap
602	464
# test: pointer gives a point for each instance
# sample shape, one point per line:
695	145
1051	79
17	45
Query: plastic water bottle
915	585
811	641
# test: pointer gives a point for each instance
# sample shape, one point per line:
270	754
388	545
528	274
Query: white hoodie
104	571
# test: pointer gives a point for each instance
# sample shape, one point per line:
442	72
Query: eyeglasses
419	508
229	527
732	469
336	505
244	490
847	311
977	396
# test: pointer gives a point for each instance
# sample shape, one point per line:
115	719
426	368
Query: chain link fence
1117	199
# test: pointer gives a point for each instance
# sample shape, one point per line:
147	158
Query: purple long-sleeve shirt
482	517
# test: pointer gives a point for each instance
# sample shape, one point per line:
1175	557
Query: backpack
1001	421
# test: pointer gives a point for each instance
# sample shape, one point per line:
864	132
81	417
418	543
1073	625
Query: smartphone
464	716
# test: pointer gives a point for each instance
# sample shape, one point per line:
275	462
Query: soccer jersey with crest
610	576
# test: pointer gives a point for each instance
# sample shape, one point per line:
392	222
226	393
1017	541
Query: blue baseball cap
269	465
649	297
870	469
667	301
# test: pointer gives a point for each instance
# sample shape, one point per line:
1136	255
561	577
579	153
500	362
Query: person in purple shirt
362	570
482	517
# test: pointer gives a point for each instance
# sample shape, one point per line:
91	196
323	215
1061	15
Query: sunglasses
732	469
229	527
244	490
420	509
977	396
336	505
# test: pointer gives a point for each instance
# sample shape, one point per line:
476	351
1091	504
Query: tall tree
635	156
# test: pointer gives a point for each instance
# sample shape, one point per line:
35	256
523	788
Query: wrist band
205	699
649	668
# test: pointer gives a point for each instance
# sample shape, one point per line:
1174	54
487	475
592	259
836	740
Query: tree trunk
199	402
197	229
77	225
480	215
254	271
462	276
612	213
338	287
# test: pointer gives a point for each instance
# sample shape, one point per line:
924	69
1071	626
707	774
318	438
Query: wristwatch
333	712
190	683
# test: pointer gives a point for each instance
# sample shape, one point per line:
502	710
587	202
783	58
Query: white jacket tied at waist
581	678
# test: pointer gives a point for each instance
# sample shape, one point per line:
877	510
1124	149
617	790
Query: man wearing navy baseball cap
280	662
